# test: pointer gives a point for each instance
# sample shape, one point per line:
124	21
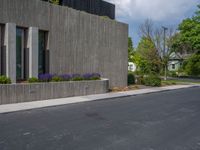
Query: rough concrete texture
17	93
78	42
10	43
33	51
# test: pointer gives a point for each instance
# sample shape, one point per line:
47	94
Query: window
173	66
43	57
21	42
2	51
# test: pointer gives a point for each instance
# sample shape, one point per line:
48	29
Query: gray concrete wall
78	42
10	43
33	51
16	93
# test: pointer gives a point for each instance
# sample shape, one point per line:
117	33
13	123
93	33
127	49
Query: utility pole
164	51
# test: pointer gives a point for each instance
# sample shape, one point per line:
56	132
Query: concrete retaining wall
16	93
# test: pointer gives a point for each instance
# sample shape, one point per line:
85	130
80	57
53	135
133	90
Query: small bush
139	80
172	74
33	80
131	78
66	77
152	80
91	76
192	65
56	79
77	77
5	80
95	78
45	77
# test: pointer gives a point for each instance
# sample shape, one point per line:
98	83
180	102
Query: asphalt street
158	121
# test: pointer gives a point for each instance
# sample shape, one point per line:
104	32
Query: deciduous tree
188	39
130	50
147	57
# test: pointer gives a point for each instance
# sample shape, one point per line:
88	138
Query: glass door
19	54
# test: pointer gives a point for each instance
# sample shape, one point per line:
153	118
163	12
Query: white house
131	66
175	62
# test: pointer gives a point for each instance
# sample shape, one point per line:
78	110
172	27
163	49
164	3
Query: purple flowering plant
47	77
66	77
77	77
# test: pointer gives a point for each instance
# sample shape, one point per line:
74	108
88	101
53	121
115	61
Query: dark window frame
2	50
43	52
173	66
23	58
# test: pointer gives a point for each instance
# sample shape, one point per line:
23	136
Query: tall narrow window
2	51
20	55
43	53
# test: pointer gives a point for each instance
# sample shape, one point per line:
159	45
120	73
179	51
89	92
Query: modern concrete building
39	37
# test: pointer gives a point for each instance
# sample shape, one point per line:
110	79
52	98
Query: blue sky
162	12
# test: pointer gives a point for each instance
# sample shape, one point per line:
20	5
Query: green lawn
174	82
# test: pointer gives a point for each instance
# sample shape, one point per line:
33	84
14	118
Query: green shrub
131	78
172	74
5	80
95	78
56	79
33	80
139	80
152	80
77	78
192	65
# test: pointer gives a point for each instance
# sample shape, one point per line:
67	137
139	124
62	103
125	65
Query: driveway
158	121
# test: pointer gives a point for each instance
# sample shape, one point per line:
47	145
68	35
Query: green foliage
168	82
5	80
130	50
172	73
95	78
56	79
33	80
189	37
55	2
147	58
131	78
192	65
152	80
139	79
77	78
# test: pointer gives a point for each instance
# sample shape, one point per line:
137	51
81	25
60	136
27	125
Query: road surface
158	121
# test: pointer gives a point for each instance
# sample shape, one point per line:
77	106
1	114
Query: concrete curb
8	108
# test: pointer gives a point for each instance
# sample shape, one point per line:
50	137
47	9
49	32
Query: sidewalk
70	100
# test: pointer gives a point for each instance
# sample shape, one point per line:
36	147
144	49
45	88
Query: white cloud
157	10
